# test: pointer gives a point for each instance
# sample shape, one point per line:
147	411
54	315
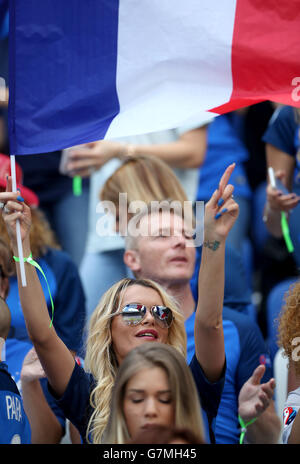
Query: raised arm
55	357
221	213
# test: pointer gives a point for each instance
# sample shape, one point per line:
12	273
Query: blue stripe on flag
52	101
3	11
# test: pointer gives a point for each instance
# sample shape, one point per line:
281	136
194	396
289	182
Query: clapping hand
254	397
31	367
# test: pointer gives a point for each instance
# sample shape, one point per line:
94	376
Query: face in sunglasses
139	323
135	313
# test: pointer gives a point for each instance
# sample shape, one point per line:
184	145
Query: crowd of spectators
227	307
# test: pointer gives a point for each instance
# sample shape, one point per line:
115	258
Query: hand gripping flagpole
18	228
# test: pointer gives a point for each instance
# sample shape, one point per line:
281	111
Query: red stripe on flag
265	54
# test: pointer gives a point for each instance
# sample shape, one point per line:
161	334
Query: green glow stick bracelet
35	264
286	232
244	428
77	186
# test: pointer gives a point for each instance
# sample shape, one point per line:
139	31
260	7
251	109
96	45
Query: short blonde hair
100	358
184	394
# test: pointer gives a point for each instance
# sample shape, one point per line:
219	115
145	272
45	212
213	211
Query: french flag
84	70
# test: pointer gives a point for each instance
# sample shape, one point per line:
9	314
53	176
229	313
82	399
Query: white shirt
290	411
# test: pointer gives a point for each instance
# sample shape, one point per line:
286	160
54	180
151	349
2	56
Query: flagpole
18	228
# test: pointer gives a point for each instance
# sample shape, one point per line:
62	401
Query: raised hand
85	159
221	211
31	367
14	208
279	200
254	397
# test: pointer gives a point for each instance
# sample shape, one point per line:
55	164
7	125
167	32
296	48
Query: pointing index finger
225	178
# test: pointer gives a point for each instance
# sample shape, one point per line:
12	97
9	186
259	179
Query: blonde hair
184	394
100	358
289	323
147	179
143	178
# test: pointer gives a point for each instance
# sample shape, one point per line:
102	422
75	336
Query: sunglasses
134	313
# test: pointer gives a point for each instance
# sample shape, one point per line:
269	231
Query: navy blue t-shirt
75	401
225	145
14	424
244	350
281	130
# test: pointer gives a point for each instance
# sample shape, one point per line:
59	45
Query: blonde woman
129	314
154	387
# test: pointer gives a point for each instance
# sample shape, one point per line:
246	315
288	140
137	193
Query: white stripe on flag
154	92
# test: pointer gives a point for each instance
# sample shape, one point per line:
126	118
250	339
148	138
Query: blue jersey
283	133
14	425
237	294
244	350
225	145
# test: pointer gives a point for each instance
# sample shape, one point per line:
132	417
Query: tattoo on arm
212	245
